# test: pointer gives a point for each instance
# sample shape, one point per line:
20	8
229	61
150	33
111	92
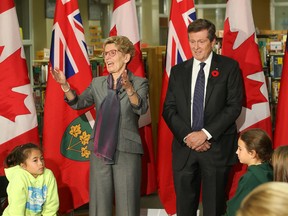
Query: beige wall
261	14
39	25
150	22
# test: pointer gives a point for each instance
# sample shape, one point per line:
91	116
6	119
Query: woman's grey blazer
129	139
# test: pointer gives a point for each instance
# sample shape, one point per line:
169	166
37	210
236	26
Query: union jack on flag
178	50
177	45
68	27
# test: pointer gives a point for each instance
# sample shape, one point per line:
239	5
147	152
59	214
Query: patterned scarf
107	125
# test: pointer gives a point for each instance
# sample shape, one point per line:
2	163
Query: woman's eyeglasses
111	53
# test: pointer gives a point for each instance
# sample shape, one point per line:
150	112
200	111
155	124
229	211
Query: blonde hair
268	199
123	44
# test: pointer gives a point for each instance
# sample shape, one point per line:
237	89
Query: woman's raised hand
125	80
58	76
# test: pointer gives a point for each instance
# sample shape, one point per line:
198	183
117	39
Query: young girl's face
34	164
244	156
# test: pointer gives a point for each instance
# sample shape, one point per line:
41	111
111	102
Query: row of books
272	46
271	42
97	67
273	73
273	89
39	98
40	73
275	64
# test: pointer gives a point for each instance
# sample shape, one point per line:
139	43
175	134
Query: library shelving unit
38	81
272	47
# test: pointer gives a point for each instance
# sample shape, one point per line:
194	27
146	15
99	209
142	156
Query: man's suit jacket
223	104
129	139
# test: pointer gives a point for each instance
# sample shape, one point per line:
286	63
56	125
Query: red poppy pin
215	73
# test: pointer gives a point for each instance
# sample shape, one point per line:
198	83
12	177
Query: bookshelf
38	81
272	47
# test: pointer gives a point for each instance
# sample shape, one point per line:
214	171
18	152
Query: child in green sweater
32	188
255	150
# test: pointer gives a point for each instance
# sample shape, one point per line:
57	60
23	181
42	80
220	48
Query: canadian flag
18	119
124	22
239	43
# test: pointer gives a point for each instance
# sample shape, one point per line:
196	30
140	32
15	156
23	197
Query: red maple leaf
13	73
248	56
251	64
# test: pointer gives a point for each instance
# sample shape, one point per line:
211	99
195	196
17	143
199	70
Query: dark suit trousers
201	168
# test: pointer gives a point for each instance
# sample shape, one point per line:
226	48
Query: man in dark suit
203	124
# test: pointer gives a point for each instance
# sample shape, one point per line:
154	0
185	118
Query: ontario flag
281	126
181	14
18	119
124	22
239	43
67	131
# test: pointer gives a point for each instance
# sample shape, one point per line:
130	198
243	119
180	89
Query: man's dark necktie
198	100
